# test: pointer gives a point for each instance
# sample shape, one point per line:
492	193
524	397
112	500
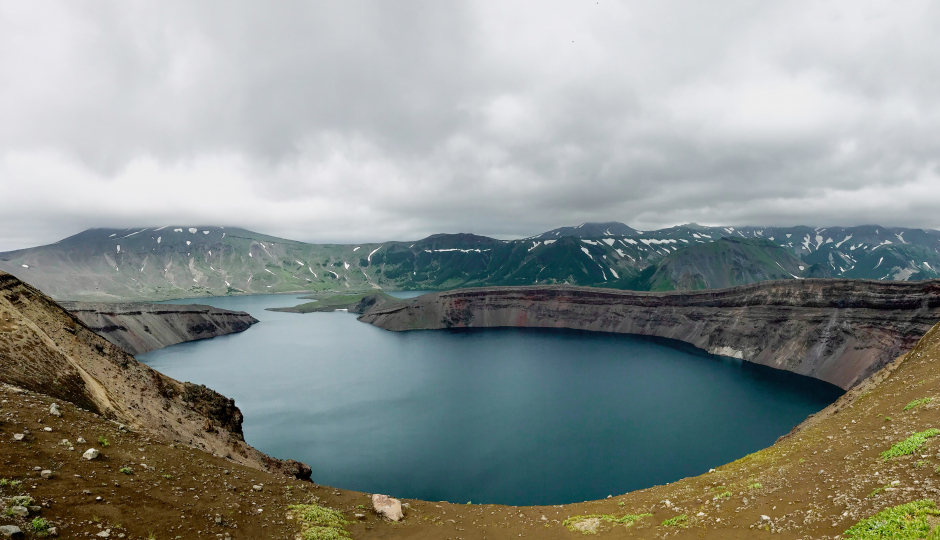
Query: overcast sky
351	121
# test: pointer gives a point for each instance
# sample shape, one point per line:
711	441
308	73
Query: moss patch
904	522
910	444
319	523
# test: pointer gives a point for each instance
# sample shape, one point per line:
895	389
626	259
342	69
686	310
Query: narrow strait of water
509	416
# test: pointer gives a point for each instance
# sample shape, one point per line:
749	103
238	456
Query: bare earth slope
45	349
139	328
839	331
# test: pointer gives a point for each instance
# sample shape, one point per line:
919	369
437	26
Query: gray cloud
351	121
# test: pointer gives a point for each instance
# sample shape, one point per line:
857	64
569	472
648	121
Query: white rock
11	531
764	518
21	511
91	454
104	534
18	436
387	506
47	429
46	474
81	440
54	410
258	487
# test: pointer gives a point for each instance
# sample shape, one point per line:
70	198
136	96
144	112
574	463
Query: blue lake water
510	416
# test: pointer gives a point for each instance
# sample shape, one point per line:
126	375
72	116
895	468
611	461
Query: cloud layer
351	121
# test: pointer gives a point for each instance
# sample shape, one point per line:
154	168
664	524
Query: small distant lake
509	416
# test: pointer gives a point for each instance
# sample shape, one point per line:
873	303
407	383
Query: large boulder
10	531
387	506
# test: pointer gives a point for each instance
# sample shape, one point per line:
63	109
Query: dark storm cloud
348	121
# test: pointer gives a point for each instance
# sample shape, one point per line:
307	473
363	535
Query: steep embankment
140	328
839	331
45	349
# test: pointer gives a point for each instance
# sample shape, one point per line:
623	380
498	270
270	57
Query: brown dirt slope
45	349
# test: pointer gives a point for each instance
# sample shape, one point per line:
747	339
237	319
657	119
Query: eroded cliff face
839	331
140	328
45	349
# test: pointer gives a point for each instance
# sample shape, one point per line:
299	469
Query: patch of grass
910	444
626	520
887	418
681	521
170	477
917	403
319	523
920	464
40	526
902	522
126	470
21	500
151	536
755	485
875	492
103	442
723	495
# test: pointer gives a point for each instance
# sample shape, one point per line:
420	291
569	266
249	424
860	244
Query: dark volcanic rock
839	331
139	328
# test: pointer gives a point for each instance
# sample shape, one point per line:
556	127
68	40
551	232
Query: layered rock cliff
45	349
839	331
140	328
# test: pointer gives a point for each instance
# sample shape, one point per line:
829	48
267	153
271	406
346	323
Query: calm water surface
511	416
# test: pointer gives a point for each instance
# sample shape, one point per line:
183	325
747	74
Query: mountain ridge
185	261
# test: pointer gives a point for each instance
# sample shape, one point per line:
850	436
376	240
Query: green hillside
187	261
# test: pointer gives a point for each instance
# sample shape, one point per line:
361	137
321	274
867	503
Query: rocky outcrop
838	331
45	349
140	328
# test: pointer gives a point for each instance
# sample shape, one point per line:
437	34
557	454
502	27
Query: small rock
54	410
19	436
47	429
764	518
47	474
711	470
387	506
86	492
21	511
360	516
91	454
35	509
218	520
104	534
11	531
257	487
98	499
81	440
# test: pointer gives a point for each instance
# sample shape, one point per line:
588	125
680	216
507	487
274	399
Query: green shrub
40	526
902	522
755	485
910	444
917	402
319	523
103	442
681	521
126	470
